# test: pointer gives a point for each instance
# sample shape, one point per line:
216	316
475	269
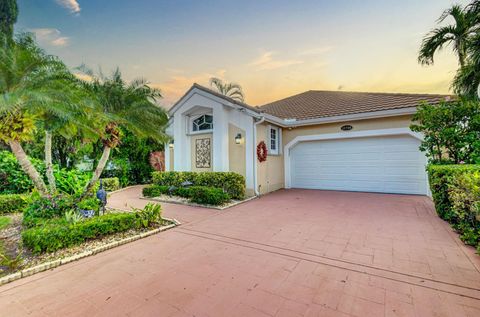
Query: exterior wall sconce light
170	145
238	138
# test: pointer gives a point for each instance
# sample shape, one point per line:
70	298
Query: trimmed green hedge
57	233
208	195
232	183
197	194
13	203
456	193
440	178
111	184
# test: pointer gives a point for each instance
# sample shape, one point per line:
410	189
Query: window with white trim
202	123
274	140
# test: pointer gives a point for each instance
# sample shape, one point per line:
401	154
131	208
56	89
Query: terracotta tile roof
319	104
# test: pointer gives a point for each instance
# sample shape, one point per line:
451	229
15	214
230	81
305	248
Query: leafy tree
32	84
136	152
8	17
457	34
451	131
231	90
130	105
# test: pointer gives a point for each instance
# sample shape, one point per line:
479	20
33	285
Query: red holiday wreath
262	151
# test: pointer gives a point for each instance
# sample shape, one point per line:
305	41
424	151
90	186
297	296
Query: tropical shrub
149	215
13	203
197	194
232	183
456	193
208	195
71	182
155	190
111	184
90	203
13	179
60	234
464	192
440	178
451	131
45	208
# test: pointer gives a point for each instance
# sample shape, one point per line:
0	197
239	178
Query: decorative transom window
274	143
203	123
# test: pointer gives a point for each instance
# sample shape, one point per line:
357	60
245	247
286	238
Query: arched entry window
203	123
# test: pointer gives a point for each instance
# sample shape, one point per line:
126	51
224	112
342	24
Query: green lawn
4	221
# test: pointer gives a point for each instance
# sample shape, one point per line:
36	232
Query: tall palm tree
31	82
457	34
132	105
231	90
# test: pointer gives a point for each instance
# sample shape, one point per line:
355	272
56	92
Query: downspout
255	180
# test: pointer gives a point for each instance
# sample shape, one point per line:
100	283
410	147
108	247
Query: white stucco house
329	140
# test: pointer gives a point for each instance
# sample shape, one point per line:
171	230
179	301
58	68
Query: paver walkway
290	253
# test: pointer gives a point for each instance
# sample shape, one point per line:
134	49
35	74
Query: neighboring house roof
321	104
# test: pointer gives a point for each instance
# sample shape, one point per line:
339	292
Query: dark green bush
13	203
12	178
14	181
230	182
154	190
464	194
197	194
208	195
111	184
440	177
456	193
60	234
44	208
90	203
71	182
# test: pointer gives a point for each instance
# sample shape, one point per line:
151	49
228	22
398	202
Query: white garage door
390	164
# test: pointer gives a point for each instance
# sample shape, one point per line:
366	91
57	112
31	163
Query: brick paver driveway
290	253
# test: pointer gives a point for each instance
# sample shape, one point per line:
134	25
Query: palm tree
457	34
467	78
31	82
231	90
132	105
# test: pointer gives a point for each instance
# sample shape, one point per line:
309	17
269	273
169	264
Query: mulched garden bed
10	244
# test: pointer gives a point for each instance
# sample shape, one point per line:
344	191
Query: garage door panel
376	164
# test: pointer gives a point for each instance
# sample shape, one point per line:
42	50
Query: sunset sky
273	48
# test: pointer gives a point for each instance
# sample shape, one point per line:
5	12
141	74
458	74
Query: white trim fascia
202	93
347	117
222	101
340	135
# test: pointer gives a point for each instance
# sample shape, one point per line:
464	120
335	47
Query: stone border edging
238	202
52	264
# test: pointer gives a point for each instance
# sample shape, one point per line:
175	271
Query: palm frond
434	42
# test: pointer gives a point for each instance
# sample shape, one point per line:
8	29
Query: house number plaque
346	127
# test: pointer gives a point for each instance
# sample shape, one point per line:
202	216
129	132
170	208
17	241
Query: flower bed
49	230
